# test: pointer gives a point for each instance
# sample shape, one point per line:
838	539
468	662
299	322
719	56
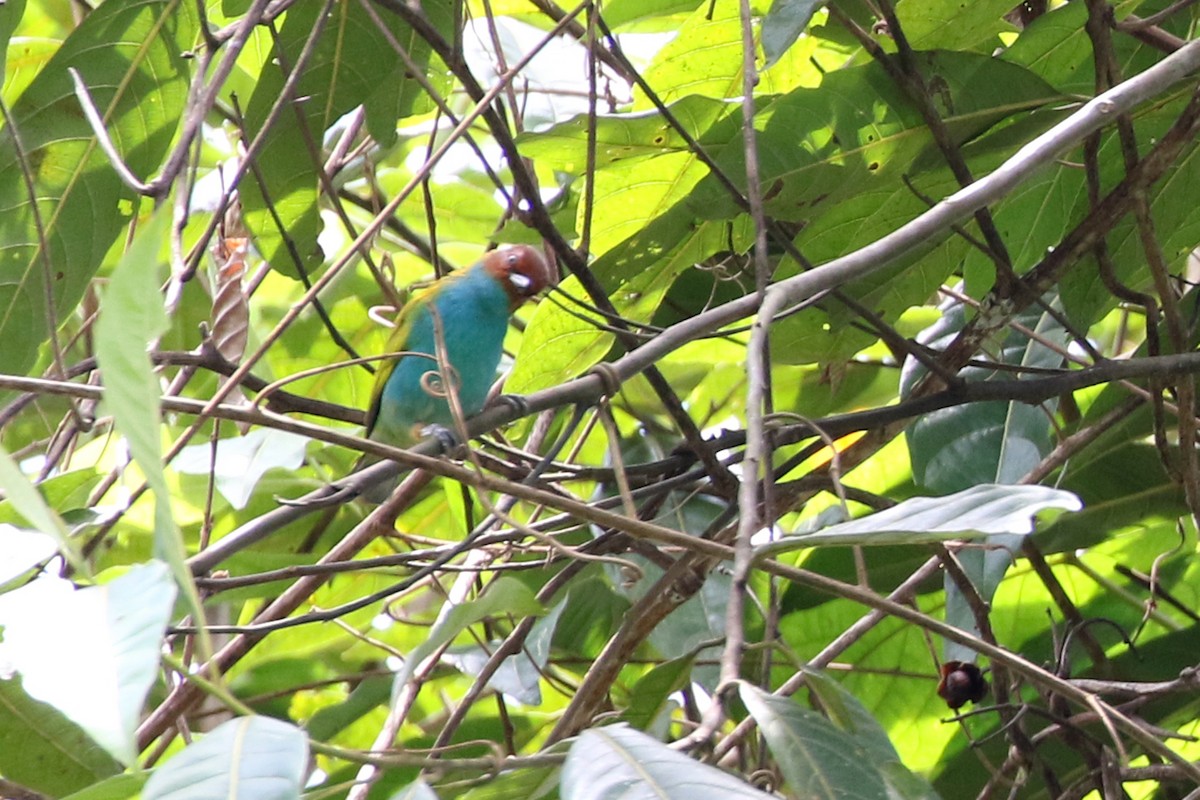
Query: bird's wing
398	340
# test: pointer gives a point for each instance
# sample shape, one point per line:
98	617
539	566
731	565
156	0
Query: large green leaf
113	632
354	63
417	790
1057	46
619	763
818	760
10	15
647	14
505	596
845	711
35	511
952	24
130	56
625	136
995	442
968	445
651	693
532	783
255	757
858	130
783	24
118	787
40	747
703	58
133	318
981	510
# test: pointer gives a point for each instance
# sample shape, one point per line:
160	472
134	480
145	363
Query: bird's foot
516	402
447	440
332	495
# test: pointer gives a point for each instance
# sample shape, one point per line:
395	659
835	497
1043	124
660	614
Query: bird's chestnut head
521	270
961	683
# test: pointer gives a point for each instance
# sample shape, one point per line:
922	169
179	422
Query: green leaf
954	25
784	23
519	675
859	132
353	63
531	783
505	596
115	629
642	15
10	15
623	137
241	461
978	443
30	505
593	612
43	749
848	714
1043	209
983	510
369	694
998	442
818	761
701	59
27	57
133	317
417	790
619	763
1105	519
843	710
130	56
1056	46
255	757
117	787
650	693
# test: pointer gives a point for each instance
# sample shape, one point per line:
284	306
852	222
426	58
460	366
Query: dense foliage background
877	261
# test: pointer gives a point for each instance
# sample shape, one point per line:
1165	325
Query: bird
461	318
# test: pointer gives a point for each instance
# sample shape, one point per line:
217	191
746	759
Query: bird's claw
447	440
339	494
516	402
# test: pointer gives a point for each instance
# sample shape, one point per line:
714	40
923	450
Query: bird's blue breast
473	314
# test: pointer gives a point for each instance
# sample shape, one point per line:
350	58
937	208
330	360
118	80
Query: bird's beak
522	283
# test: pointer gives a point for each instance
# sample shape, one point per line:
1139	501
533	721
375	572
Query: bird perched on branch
458	323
